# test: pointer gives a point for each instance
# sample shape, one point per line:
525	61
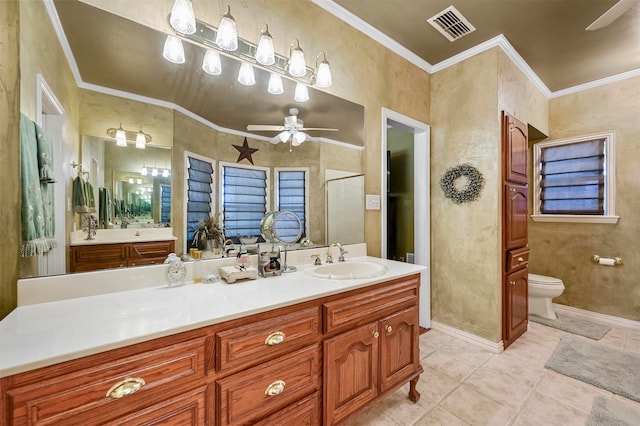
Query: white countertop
43	334
128	235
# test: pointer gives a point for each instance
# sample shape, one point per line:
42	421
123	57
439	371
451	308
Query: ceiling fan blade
611	15
318	128
264	128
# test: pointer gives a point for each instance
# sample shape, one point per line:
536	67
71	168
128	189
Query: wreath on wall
470	191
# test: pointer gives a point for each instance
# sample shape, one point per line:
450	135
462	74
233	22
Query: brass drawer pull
126	387
275	338
389	329
275	388
520	259
513	283
376	334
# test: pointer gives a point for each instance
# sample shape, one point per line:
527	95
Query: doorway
412	150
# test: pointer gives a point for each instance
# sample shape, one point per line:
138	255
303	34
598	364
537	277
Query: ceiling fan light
246	75
130	180
265	53
121	137
275	86
211	63
182	18
284	136
141	140
302	93
298	138
297	65
173	50
323	75
227	35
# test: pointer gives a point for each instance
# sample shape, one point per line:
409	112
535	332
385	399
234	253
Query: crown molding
596	83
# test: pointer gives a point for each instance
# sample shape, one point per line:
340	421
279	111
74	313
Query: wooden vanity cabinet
92	257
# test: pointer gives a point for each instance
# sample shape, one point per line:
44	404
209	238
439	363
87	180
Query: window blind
572	178
199	190
244	200
291	196
165	203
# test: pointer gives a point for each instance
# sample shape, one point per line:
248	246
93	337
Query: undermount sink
348	270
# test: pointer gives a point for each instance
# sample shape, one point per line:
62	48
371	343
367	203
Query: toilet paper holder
616	260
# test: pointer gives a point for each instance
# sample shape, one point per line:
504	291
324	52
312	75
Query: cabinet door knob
513	283
376	334
275	388
125	387
389	329
275	338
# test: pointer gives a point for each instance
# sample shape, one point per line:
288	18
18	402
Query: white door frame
422	189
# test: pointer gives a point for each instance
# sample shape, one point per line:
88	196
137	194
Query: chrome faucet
342	252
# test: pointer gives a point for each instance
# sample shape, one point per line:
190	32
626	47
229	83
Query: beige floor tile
570	391
400	408
440	417
432	341
457	359
633	346
545	410
506	387
434	386
372	417
476	408
523	421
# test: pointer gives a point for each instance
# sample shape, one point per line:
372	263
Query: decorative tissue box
232	273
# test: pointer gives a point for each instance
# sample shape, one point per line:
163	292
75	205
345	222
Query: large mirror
188	111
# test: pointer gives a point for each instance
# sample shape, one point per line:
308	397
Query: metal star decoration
245	151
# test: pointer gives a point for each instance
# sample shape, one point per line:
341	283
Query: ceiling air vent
451	24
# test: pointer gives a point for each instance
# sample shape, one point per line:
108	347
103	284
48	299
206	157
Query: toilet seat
542	280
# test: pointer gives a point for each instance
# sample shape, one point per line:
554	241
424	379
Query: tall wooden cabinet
515	244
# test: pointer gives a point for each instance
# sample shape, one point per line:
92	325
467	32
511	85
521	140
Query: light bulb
211	63
165	173
265	54
298	138
227	36
143	171
139	181
141	140
323	76
246	75
275	86
121	137
302	93
297	65
173	50
154	172
182	18
131	180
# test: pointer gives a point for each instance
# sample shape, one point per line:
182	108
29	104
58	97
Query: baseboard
608	319
495	347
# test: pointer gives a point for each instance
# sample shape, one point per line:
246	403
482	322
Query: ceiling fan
612	14
292	130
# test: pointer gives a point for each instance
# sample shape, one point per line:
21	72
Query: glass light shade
182	18
227	35
275	85
144	171
211	63
131	180
298	138
284	135
173	50
297	64
323	75
154	172
141	141
302	93
265	53
165	173
246	75
139	181
121	137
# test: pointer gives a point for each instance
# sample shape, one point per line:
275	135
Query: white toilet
542	289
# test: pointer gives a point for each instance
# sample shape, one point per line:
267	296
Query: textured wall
9	154
565	250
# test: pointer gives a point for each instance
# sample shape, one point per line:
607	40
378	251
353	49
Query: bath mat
599	365
608	412
581	327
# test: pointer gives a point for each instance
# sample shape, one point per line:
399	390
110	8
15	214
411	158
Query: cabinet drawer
68	398
152	249
517	258
259	341
305	412
250	395
356	309
101	253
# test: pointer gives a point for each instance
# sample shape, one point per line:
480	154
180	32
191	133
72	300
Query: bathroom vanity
294	349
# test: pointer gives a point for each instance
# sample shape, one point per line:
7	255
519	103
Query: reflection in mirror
138	183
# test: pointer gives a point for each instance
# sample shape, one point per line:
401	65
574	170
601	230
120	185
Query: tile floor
463	384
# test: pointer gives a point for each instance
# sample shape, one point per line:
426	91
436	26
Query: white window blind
244	200
292	195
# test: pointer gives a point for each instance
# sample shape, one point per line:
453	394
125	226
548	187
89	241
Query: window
165	203
574	180
292	189
199	197
243	193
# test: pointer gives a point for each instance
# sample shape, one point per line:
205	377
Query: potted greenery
208	233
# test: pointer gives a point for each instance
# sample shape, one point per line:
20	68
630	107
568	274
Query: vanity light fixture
122	136
144	171
301	93
246	76
165	173
224	40
154	172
